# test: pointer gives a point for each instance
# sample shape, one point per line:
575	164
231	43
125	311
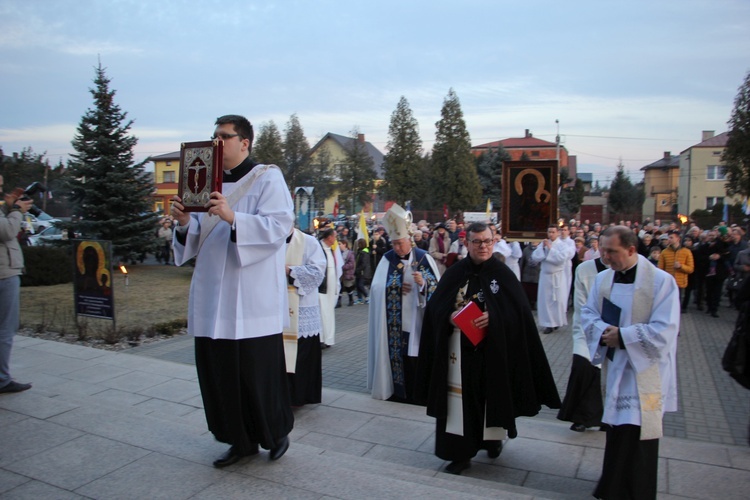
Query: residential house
534	149
702	182
337	146
166	174
661	181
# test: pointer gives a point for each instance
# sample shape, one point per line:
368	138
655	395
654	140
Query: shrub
47	265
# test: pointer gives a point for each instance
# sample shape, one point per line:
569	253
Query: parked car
41	221
48	236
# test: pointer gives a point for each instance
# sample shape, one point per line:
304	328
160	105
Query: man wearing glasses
238	298
476	388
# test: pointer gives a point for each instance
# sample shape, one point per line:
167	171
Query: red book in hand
465	321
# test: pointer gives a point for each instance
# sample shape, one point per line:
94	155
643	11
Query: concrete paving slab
97	373
236	486
694	451
393	455
38	490
35	405
135	381
9	417
154	476
173	390
31	436
397	432
335	443
541	456
695	480
334	421
165	409
78	461
70	350
10	480
739	457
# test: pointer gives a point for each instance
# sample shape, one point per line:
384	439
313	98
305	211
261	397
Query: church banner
93	290
529	199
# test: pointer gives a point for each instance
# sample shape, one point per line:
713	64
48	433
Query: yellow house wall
693	168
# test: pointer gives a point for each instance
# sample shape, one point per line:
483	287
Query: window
169	176
535	153
714	173
711	201
717	153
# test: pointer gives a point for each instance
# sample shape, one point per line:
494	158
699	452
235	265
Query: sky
627	80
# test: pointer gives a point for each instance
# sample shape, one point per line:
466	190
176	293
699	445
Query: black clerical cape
518	379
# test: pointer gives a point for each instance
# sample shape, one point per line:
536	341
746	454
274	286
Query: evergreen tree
296	155
624	197
269	147
571	195
108	192
454	176
357	176
402	163
322	174
490	171
736	157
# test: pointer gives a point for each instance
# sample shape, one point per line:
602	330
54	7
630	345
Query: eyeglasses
223	136
479	243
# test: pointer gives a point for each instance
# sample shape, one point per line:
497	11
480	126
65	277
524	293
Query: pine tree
571	195
296	155
322	174
624	197
454	176
736	157
490	171
268	147
109	193
357	175
402	163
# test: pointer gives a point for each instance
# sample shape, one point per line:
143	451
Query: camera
28	194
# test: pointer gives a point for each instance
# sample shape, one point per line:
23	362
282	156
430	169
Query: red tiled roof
518	142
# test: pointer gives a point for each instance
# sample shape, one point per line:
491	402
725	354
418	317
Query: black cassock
507	373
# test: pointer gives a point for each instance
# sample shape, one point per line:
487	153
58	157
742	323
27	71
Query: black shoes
494	449
578	428
457	467
232	456
549	330
14	386
278	452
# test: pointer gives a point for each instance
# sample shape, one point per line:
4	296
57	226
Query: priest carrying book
631	321
481	361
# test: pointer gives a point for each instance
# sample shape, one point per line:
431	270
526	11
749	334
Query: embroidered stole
398	343
455	420
208	223
295	252
649	380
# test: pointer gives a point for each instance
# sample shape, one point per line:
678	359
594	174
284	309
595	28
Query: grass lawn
155	294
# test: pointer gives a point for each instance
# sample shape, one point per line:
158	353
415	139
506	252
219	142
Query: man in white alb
631	321
553	290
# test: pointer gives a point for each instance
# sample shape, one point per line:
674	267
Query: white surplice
238	290
585	275
552	294
334	270
653	342
568	267
307	277
512	253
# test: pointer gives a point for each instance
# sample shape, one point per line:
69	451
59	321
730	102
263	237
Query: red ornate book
200	173
465	321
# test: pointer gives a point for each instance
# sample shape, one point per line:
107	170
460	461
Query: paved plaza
100	424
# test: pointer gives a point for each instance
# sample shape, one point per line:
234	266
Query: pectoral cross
453	358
